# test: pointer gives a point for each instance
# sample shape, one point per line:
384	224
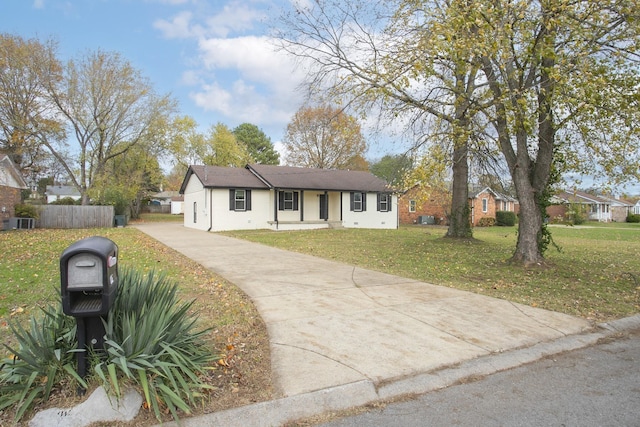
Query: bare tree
326	138
109	108
557	80
390	58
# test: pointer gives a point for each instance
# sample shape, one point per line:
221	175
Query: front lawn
596	275
30	278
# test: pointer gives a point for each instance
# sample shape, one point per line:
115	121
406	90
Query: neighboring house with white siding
57	192
285	198
596	208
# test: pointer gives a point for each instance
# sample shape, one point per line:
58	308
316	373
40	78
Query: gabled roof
223	177
285	177
497	195
580	197
10	175
295	178
617	202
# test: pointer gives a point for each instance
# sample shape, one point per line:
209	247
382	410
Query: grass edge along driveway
595	275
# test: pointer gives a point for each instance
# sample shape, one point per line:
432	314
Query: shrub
44	356
633	217
576	214
506	218
150	341
486	222
26	211
65	201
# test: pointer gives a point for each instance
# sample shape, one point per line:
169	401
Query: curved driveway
332	324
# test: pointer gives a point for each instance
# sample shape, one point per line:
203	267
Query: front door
324	207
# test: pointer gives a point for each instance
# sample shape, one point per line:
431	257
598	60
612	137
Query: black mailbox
89	277
89	285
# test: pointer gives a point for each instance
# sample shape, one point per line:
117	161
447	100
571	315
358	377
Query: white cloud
235	17
237	72
179	27
254	57
38	4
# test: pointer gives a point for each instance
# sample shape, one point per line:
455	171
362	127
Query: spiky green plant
44	356
151	340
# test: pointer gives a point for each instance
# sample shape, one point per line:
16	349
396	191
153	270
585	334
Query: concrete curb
280	411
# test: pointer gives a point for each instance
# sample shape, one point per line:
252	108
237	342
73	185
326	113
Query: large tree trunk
459	219
527	251
531	184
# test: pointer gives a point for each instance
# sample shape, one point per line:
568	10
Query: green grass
30	274
159	217
592	277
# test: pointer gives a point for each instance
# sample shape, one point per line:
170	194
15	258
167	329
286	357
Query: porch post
301	205
275	206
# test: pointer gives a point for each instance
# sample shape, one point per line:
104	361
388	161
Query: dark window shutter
295	200
232	199
247	201
378	197
364	202
280	200
351	201
389	204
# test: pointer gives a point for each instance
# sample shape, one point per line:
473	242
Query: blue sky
215	57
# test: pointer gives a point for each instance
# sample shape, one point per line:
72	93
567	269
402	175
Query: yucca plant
151	340
45	355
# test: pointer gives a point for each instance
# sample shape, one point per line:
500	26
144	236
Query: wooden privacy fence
70	216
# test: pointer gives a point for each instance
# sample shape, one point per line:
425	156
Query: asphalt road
594	386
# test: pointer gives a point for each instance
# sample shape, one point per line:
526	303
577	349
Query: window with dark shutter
239	200
288	200
384	202
358	201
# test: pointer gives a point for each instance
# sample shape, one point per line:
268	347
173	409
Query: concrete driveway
332	324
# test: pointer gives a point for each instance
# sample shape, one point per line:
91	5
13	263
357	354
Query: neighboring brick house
486	202
11	185
419	205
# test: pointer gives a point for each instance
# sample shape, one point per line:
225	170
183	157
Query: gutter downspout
210	210
275	207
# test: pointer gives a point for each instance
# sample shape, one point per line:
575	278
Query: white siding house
285	198
57	192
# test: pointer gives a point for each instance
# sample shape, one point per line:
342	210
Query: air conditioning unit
426	220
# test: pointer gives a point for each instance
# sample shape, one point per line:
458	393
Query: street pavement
342	336
595	386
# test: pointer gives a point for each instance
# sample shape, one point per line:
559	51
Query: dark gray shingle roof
223	177
285	177
295	178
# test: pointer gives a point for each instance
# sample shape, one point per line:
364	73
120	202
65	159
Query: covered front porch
306	209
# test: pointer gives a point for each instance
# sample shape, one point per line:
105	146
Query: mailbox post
89	285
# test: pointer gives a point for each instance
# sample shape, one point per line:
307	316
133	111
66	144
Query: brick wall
9	197
434	204
476	207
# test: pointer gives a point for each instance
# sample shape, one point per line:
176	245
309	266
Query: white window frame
240	200
287	200
384	202
357	204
